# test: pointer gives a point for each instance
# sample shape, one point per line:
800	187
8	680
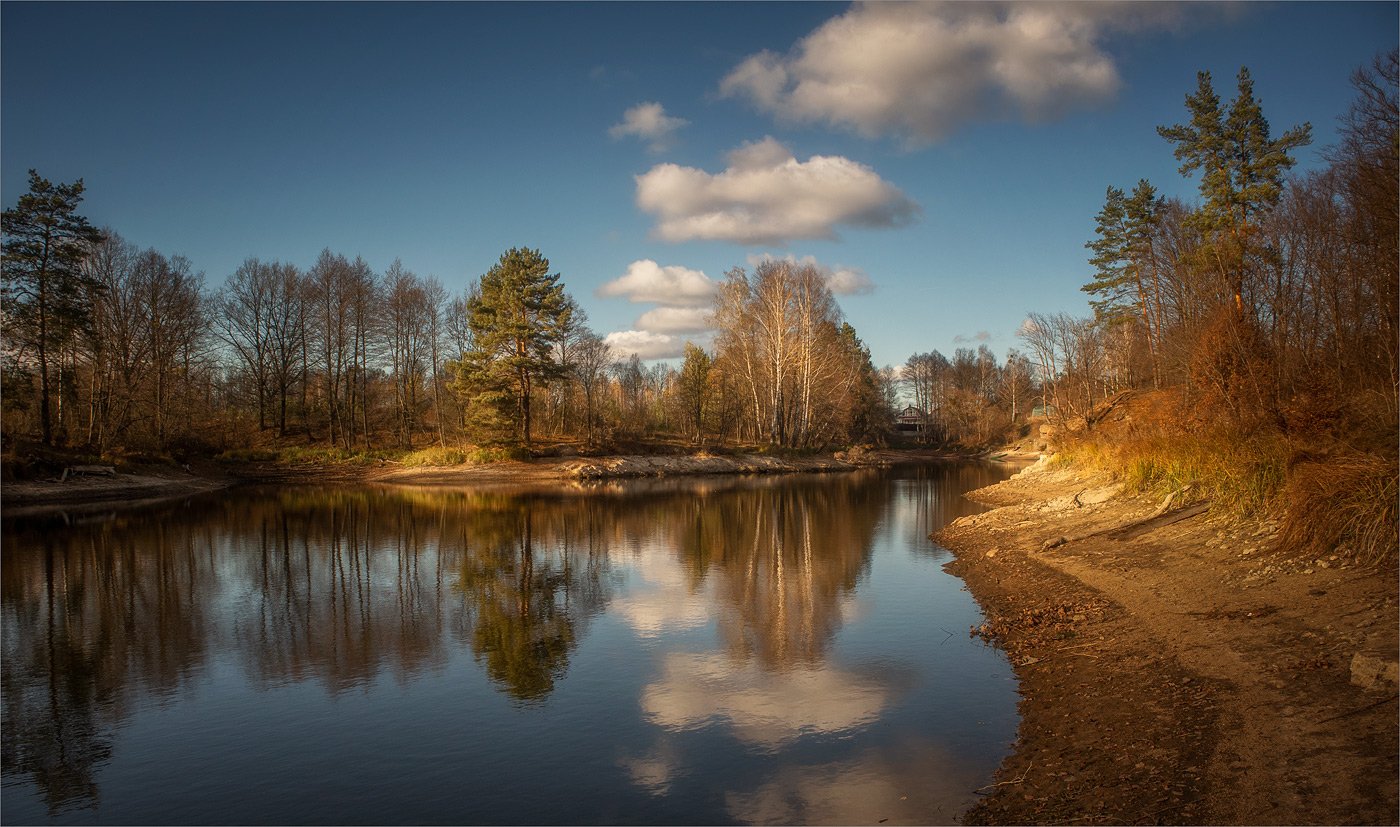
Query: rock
1099	495
1055	542
992	552
1375	670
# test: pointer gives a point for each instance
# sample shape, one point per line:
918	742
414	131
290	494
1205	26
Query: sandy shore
1178	670
40	495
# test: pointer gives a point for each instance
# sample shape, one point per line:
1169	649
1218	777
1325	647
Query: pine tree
1111	280
1125	262
1241	169
47	296
516	316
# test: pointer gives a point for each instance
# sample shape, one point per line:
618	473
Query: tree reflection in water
342	586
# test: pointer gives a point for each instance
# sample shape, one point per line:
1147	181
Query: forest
1259	320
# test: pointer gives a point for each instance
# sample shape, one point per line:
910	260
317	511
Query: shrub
486	455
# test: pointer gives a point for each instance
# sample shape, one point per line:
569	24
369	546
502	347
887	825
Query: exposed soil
1178	669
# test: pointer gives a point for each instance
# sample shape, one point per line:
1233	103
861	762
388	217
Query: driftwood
1153	523
86	470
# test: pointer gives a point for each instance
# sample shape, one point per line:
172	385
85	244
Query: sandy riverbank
92	489
1181	671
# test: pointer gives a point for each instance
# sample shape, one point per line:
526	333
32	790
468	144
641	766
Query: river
691	651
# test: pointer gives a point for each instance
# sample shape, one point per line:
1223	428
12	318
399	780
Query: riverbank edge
39	496
1121	726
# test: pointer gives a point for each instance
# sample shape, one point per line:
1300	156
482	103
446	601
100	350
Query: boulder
1375	670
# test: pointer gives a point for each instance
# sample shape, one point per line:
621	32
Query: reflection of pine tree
523	624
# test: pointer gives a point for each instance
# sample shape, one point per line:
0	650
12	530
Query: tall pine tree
1125	282
47	297
517	316
1241	168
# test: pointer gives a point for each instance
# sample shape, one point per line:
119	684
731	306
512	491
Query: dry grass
434	456
1344	505
1241	475
1332	497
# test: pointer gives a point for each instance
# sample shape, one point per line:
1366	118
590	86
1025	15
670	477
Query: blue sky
943	163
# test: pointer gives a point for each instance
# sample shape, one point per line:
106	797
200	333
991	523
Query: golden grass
1344	505
1243	475
434	456
1341	503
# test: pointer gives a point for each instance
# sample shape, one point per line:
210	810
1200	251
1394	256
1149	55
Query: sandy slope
1187	670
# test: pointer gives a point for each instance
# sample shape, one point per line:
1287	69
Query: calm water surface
696	651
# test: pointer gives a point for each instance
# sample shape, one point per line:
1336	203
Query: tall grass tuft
1344	505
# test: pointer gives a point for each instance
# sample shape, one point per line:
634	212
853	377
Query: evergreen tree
517	316
1241	168
1110	282
1124	257
47	296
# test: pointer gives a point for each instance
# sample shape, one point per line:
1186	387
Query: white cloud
676	320
981	337
919	71
645	344
663	601
767	196
649	122
647	281
840	279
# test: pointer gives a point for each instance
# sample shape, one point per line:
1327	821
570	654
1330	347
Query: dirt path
1186	672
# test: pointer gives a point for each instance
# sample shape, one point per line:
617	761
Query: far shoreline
39	497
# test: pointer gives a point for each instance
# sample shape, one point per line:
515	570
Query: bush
486	455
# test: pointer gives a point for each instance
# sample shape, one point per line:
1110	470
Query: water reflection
768	709
907	783
732	591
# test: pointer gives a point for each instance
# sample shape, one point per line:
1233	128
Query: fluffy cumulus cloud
842	280
683	299
767	196
647	281
676	320
645	344
649	122
918	71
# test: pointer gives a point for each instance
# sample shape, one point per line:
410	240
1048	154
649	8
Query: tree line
111	347
1268	305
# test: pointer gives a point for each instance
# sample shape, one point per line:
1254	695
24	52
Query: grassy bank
1331	495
